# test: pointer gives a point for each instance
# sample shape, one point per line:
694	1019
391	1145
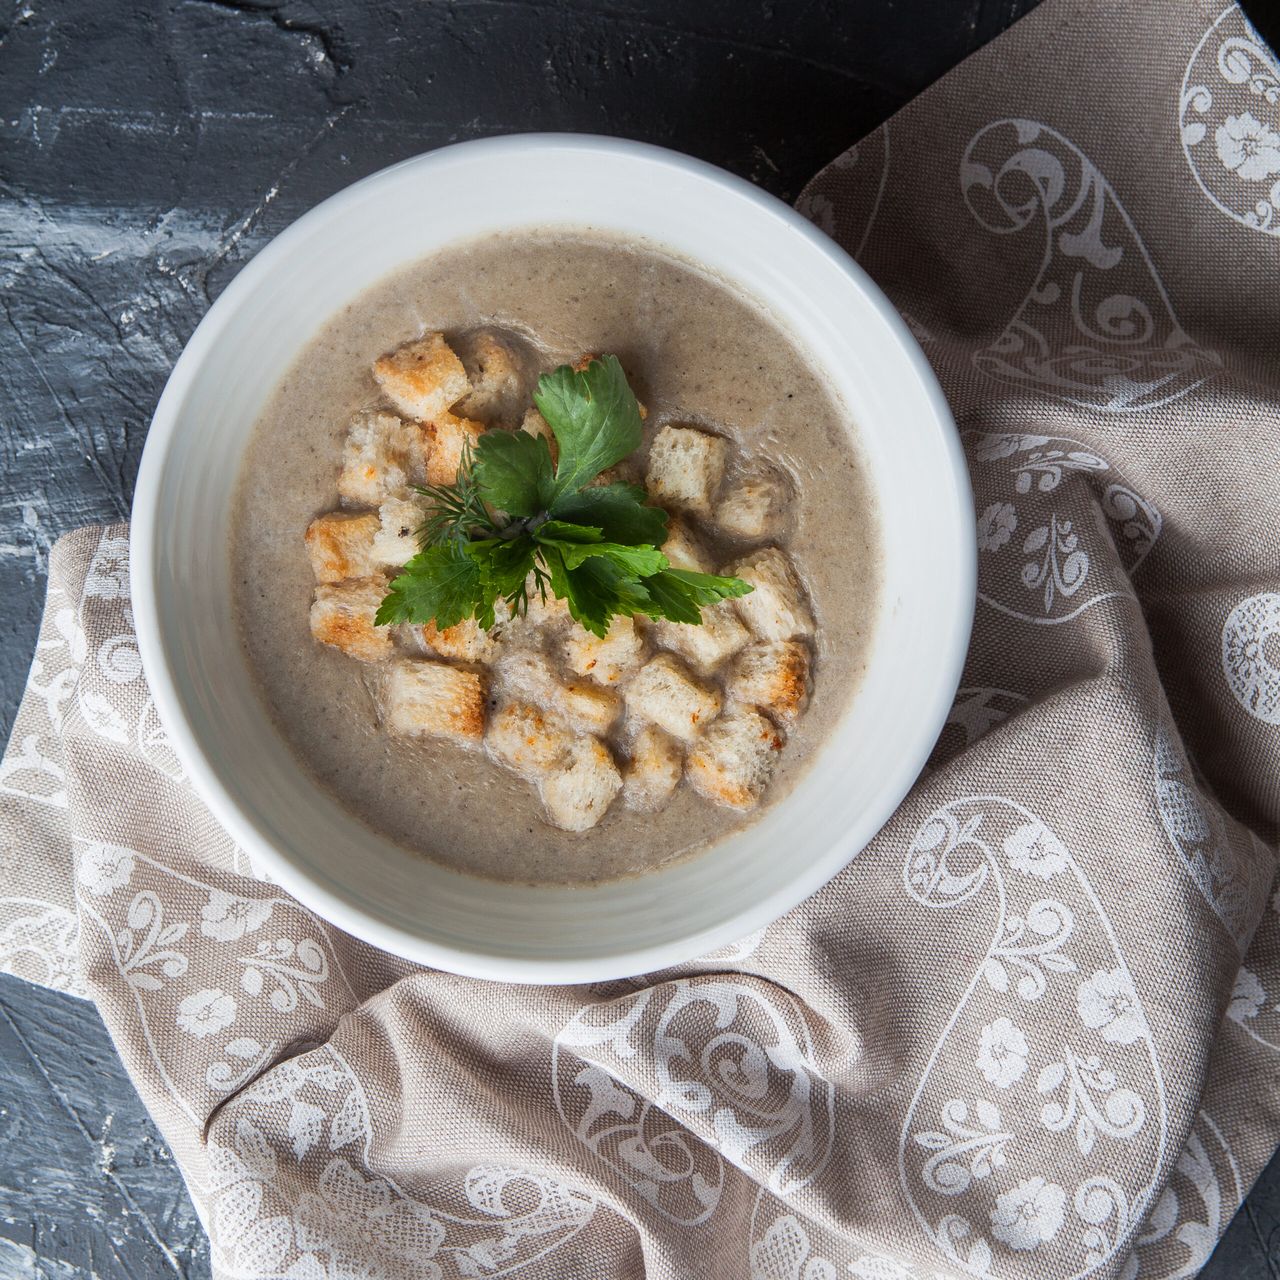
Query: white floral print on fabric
1254	1005
1200	1198
785	1246
1002	1053
1251	655
220	982
734	1080
104	868
1030	1214
1077	530
290	1193
1108	1003
1231	869
108	576
784	1253
1247	997
40	942
996	525
33	770
227	918
1087	1104
206	1013
1096	327
1230	122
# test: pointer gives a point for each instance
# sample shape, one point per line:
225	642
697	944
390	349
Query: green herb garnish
515	522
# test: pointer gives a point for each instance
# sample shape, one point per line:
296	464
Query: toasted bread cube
381	455
654	771
683	549
777	608
342	616
753	506
773	677
422	379
605	661
448	439
497	383
582	706
707	644
577	797
685	467
396	541
528	740
536	425
665	693
732	762
465	641
425	699
341	545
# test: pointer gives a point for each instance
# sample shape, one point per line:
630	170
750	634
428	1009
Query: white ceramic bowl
182	590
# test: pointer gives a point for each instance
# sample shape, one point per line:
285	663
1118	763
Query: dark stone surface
147	149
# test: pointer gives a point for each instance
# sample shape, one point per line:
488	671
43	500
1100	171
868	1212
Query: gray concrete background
147	150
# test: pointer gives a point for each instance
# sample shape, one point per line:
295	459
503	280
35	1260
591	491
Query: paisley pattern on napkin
1033	1032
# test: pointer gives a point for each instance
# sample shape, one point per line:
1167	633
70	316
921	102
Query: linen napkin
1033	1030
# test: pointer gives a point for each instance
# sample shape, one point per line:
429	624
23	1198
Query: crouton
732	762
381	455
575	798
753	506
396	541
536	425
583	706
653	771
528	740
683	549
342	616
465	641
341	545
497	382
685	467
665	693
707	644
448	439
773	677
777	608
605	661
429	699
422	379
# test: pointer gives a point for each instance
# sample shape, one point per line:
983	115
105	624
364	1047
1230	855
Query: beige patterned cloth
1033	1031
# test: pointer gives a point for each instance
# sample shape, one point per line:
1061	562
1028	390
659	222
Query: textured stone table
147	149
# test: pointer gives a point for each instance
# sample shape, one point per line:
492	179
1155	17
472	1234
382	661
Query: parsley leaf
681	595
514	470
440	584
504	563
641	561
618	511
597	590
595	419
512	523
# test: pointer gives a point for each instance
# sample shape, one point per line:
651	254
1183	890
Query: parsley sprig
516	522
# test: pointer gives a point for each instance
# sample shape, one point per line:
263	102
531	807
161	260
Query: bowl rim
953	640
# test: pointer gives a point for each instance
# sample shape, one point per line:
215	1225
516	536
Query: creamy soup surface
696	351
